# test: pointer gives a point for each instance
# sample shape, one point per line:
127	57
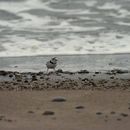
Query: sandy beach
65	100
93	110
93	99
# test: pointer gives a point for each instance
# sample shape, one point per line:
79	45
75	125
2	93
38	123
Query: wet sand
93	110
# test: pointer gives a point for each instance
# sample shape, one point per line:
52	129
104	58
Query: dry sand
98	110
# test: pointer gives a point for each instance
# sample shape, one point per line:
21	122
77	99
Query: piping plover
51	64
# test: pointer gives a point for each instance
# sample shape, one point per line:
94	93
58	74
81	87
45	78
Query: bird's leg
47	70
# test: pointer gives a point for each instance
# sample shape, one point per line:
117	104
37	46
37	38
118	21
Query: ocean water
45	27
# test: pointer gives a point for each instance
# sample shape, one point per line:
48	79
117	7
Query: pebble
31	112
59	71
124	114
83	72
99	113
47	113
79	107
113	112
118	119
59	99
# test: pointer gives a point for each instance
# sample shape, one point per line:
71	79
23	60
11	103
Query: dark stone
26	81
48	113
10	75
8	120
83	72
119	71
97	72
34	78
31	112
19	80
2	117
113	112
124	115
3	73
59	99
112	77
118	119
79	107
68	72
85	79
59	71
99	113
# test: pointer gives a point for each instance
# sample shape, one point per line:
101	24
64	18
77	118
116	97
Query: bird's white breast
50	65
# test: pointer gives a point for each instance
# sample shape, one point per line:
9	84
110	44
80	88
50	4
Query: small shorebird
51	64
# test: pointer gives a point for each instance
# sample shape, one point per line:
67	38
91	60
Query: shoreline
65	80
53	55
70	63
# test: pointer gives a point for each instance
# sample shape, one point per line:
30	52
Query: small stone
113	112
85	79
2	117
124	115
8	120
118	119
99	113
119	71
79	107
48	113
26	81
59	99
83	72
34	78
10	75
97	72
68	72
59	71
3	73
19	80
112	77
31	112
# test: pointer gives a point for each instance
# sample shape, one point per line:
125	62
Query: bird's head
54	59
